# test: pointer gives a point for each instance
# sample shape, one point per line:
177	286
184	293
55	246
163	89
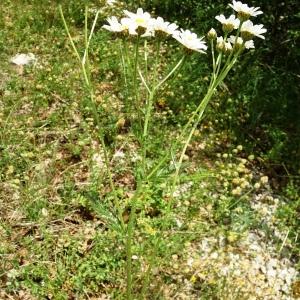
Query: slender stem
200	111
148	274
88	40
146	59
86	75
156	64
135	82
126	52
123	67
86	28
213	58
218	66
232	52
171	73
68	33
145	132
85	60
135	67
148	114
129	239
150	104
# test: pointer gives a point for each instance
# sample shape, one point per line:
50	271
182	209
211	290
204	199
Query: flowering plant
237	34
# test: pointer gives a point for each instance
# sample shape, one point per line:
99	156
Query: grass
62	237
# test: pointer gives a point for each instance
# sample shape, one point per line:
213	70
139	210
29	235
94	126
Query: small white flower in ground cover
191	41
230	23
244	11
23	59
159	25
248	30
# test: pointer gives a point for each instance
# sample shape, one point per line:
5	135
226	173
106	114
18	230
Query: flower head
249	44
140	19
190	40
228	24
248	30
235	40
129	26
114	25
160	26
244	11
239	42
126	25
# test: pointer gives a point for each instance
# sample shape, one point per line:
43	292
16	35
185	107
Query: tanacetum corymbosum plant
133	32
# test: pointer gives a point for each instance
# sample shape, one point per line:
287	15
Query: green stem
146	59
150	105
232	53
214	60
68	33
129	239
156	64
201	108
135	107
124	68
86	75
148	274
171	73
135	70
200	111
126	53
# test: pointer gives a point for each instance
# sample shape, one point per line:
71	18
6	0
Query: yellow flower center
140	21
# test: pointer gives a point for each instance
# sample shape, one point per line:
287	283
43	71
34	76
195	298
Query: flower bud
212	34
220	44
228	48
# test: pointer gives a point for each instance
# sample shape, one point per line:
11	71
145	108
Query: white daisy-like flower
244	11
114	25
125	25
129	26
141	19
239	42
190	40
248	30
159	25
23	59
235	41
249	44
230	23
